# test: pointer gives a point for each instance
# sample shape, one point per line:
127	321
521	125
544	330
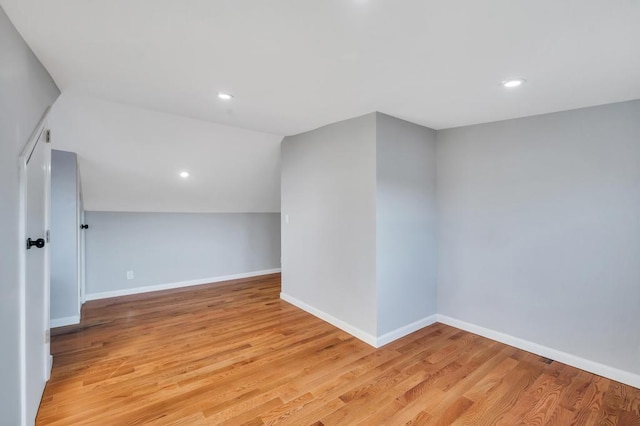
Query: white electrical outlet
129	275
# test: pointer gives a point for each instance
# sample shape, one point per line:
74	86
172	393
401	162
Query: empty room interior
336	212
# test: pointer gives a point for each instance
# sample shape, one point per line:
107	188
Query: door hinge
47	136
47	236
47	336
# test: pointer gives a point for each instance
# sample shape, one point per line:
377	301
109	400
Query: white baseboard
603	370
374	341
61	322
49	366
354	331
168	286
405	330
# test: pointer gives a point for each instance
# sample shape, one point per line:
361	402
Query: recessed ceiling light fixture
184	175
516	82
225	96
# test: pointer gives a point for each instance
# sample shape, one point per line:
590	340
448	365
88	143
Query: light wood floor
236	354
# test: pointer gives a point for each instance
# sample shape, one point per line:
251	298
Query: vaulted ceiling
294	65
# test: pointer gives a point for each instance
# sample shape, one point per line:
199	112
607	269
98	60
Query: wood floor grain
235	354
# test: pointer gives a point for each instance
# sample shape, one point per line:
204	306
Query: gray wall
539	230
26	89
162	248
329	195
406	257
64	235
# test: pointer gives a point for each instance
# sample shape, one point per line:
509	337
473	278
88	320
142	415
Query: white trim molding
603	370
61	322
49	366
354	331
406	330
180	284
375	341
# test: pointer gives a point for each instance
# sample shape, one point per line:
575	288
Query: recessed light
184	175
514	82
225	96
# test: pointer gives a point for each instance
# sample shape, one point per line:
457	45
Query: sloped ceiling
294	65
130	160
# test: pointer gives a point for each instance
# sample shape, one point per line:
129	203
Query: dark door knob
38	243
85	226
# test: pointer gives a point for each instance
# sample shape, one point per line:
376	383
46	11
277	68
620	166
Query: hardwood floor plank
450	413
592	410
234	353
500	400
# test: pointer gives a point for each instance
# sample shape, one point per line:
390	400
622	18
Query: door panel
81	240
36	310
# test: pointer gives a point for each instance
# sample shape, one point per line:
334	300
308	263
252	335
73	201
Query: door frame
22	261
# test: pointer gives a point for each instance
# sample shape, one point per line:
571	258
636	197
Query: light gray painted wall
64	235
26	89
162	248
329	195
406	257
539	230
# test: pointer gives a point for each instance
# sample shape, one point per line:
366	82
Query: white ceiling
294	65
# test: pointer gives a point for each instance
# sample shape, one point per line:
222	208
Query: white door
81	244
36	292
